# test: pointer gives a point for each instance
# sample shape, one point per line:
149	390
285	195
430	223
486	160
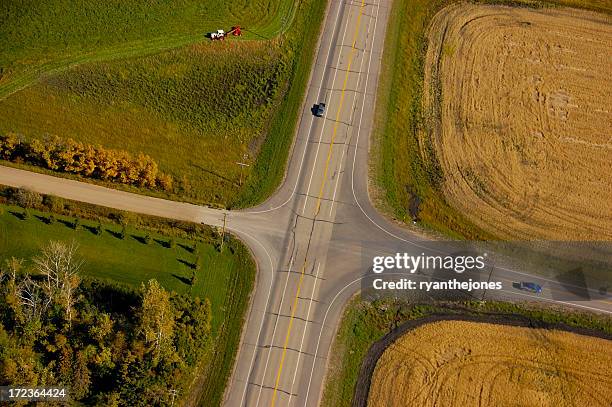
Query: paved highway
314	238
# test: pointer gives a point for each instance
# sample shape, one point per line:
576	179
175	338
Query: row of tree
75	157
109	344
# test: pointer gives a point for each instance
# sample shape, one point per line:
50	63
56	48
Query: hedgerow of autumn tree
75	157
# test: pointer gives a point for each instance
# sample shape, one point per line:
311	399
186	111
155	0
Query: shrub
27	199
9	145
54	203
126	218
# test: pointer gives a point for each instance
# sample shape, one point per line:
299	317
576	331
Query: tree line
57	154
111	345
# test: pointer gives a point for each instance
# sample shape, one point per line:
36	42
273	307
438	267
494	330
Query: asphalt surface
313	240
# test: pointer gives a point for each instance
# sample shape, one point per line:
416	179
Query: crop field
471	363
406	170
524	115
143	78
366	324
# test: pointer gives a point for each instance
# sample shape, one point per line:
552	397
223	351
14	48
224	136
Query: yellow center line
329	153
337	121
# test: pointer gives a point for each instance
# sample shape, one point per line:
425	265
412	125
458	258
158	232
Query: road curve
312	240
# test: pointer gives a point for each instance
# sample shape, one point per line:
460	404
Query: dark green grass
404	162
197	110
39	36
128	261
226	278
364	323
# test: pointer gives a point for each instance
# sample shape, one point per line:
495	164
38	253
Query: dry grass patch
518	102
468	363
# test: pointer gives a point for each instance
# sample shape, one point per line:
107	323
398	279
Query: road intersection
311	238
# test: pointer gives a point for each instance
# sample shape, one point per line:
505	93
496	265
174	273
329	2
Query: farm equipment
220	34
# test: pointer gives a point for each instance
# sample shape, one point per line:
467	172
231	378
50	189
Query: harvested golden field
462	363
519	104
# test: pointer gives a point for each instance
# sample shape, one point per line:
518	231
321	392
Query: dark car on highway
319	110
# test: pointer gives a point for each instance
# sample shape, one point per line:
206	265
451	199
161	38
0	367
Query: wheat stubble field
520	105
460	363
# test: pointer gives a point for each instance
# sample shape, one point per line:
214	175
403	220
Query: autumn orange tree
57	154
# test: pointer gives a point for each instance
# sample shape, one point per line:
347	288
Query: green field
45	36
225	278
196	109
183	107
405	167
364	323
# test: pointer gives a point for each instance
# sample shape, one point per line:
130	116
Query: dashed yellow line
318	207
342	94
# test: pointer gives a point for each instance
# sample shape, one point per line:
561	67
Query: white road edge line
263	376
314	360
297	365
246	384
297	178
347	141
357	148
314	164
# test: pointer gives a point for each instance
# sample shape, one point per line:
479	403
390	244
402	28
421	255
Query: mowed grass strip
49	35
127	261
225	278
404	167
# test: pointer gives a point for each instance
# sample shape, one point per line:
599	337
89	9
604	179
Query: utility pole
223	231
242	165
